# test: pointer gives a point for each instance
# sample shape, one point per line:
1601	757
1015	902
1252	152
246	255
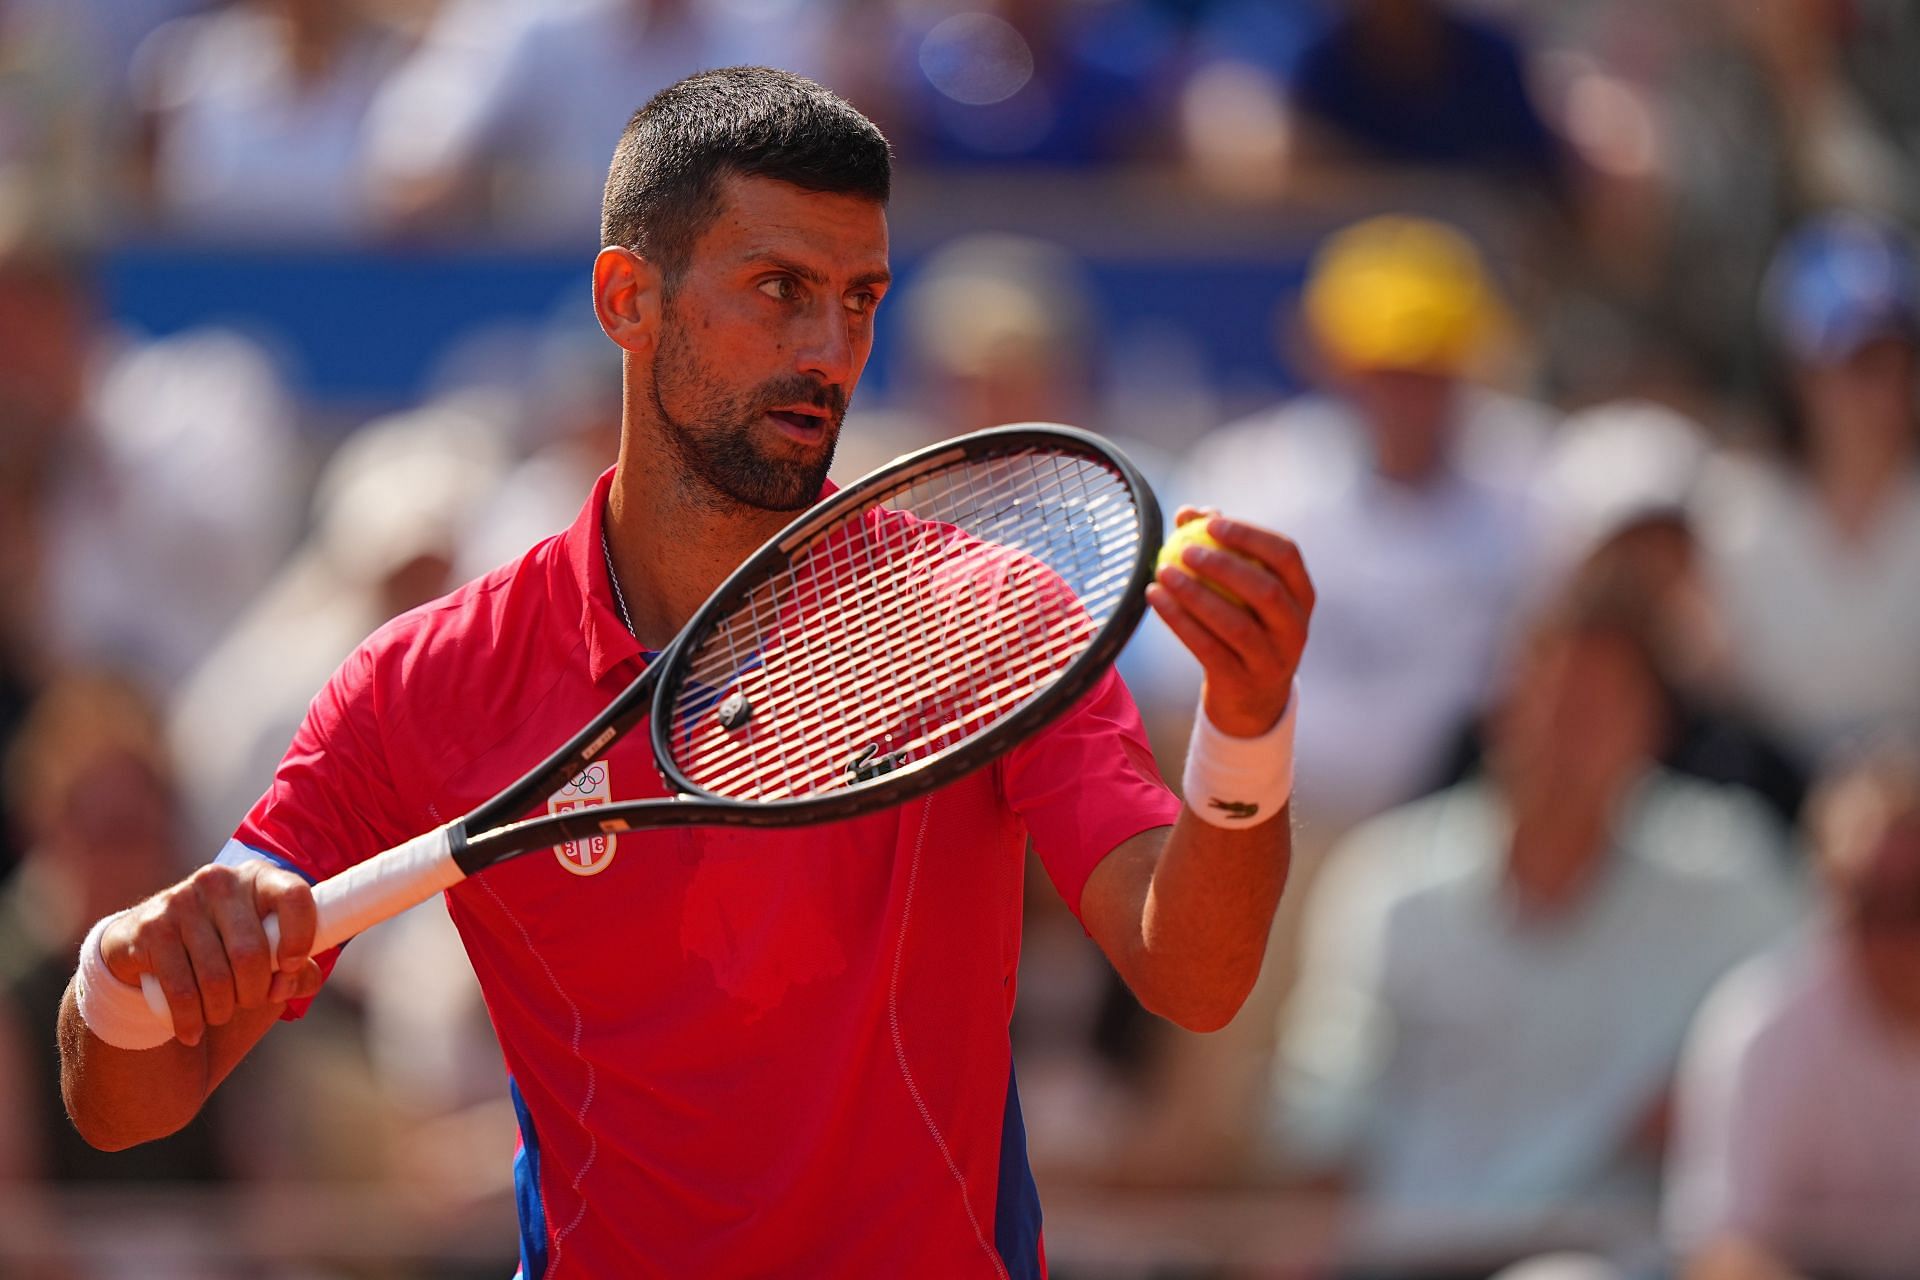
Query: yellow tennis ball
1194	533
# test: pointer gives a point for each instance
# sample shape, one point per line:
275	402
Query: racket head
909	629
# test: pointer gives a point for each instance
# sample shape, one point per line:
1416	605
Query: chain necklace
619	598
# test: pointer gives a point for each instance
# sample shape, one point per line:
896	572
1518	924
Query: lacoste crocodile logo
1235	809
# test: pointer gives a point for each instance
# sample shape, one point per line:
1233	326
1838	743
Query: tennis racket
904	632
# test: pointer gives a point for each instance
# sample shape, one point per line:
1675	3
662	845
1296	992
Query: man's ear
627	295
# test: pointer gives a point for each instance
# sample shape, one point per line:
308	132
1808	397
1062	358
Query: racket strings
740	635
912	723
1102	581
890	637
913	624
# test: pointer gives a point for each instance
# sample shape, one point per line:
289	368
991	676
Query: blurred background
1574	340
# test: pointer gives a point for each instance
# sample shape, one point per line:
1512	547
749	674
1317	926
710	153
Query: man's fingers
291	899
208	956
1256	587
1211	651
1238	630
297	985
230	908
167	961
1187	513
1277	553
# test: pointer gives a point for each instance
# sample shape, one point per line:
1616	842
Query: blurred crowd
1601	955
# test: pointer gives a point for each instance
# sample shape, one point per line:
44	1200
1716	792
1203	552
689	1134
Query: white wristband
113	1010
1240	782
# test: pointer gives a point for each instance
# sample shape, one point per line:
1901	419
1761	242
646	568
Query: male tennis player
733	1053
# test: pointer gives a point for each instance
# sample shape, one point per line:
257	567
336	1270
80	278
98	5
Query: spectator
509	111
53	113
125	440
109	552
40	390
1798	1119
1497	979
1038	83
256	116
1816	559
1407	485
1617	486
1235	122
402	1060
1834	149
1414	82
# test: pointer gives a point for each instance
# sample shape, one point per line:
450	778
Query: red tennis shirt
733	1053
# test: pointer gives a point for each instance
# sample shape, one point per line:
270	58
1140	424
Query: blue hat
1839	282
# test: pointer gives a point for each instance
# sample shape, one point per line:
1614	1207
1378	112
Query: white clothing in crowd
1459	1057
1798	1122
179	501
248	148
537	98
1825	631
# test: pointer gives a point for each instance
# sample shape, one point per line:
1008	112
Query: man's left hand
1249	651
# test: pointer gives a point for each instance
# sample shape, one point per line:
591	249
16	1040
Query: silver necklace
619	599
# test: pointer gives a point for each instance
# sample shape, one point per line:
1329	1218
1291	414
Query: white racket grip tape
383	886
350	903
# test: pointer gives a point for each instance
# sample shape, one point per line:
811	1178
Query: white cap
404	486
1616	464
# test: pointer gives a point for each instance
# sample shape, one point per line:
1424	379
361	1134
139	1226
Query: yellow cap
1400	293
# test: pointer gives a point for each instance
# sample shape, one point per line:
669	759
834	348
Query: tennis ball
1194	533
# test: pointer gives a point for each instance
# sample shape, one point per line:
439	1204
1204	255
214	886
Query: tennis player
739	1052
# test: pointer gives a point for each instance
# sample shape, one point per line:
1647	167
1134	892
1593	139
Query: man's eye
779	288
862	303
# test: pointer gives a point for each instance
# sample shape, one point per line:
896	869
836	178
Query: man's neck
1891	988
1561	840
670	549
1855	483
1551	867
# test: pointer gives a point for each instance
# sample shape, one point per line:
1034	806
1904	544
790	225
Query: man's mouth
801	423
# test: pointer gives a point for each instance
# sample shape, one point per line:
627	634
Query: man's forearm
118	1098
1187	913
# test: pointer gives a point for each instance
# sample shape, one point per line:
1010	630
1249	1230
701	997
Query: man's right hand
204	942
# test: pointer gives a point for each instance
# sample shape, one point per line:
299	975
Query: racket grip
360	897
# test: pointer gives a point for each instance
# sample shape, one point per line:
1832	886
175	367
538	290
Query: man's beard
718	451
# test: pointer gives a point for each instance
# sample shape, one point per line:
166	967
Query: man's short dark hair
664	186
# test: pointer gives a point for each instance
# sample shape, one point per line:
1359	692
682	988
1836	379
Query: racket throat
462	851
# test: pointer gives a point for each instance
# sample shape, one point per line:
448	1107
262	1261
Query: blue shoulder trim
236	853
